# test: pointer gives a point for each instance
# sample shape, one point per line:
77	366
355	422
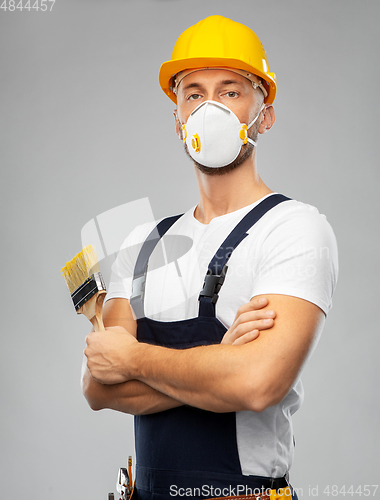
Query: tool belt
258	488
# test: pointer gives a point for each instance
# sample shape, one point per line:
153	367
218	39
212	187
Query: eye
193	97
232	94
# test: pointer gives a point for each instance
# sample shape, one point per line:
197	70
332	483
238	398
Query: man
213	375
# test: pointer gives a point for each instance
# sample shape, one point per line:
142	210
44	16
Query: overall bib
187	447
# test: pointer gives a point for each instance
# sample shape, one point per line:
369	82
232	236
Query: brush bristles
80	268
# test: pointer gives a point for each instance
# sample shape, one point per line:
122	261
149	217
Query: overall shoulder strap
217	267
139	273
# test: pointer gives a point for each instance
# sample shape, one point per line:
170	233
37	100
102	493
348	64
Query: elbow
251	397
260	396
94	405
262	404
93	402
91	394
257	404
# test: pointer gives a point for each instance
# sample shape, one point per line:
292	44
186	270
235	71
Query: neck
222	194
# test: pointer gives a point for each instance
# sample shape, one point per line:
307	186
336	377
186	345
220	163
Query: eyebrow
192	85
229	82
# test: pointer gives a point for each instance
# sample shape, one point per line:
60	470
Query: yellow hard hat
218	42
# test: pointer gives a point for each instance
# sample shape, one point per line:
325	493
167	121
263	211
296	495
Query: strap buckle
212	284
138	287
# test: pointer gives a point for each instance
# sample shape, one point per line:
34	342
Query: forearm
133	397
214	378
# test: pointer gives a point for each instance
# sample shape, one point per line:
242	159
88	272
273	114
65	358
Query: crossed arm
252	369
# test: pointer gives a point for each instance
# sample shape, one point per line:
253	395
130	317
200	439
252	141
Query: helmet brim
171	68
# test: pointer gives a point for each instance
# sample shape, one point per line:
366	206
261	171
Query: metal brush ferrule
88	289
99	281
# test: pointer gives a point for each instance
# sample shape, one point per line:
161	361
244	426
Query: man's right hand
250	319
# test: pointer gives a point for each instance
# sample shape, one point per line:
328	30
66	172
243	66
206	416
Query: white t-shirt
291	250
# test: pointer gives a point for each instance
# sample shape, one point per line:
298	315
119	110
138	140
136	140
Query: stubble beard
245	152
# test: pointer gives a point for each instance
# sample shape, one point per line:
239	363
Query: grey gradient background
85	127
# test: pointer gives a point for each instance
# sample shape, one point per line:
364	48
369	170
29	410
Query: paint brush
85	283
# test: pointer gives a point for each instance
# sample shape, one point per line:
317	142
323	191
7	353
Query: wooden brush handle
92	309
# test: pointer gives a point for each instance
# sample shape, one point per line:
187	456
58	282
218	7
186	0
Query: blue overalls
187	447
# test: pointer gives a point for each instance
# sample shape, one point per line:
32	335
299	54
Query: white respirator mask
214	135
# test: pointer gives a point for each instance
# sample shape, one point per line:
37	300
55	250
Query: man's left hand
107	352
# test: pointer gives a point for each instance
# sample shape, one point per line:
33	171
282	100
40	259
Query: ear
268	119
178	128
